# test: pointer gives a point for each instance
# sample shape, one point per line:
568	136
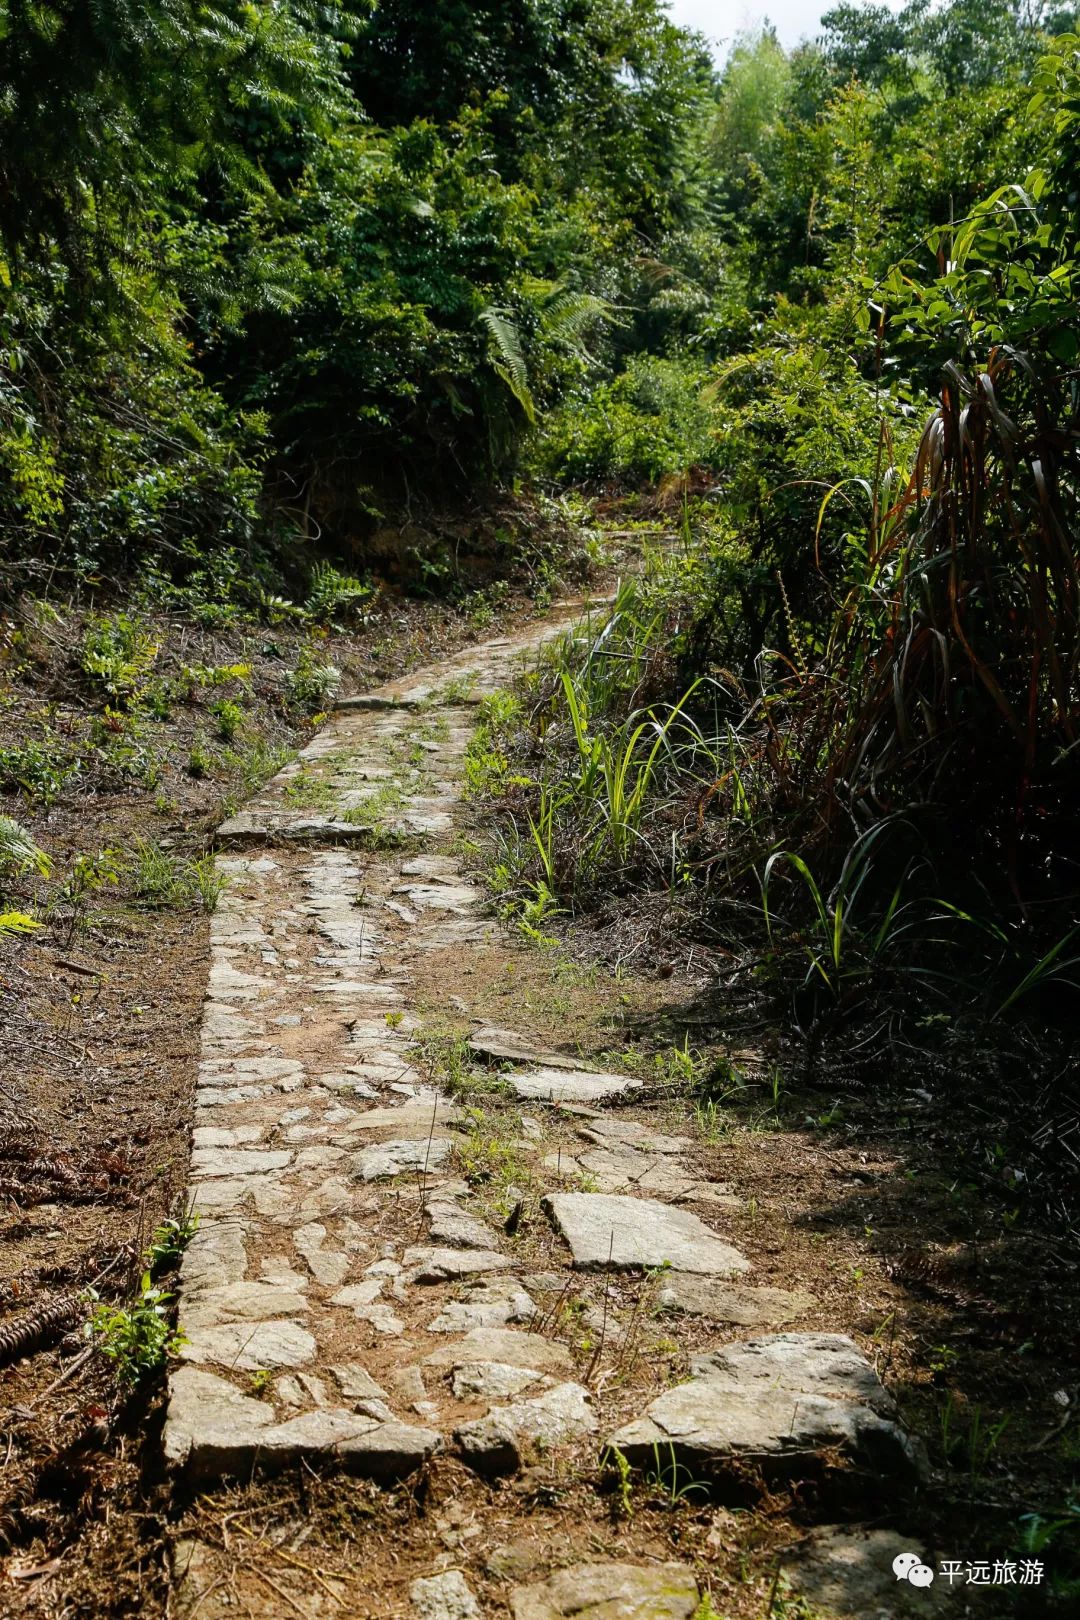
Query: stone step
777	1402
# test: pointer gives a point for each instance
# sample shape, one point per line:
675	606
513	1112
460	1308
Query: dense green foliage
847	719
266	268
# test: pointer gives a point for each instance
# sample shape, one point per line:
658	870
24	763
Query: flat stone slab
213	1429
492	1380
429	1265
458	898
409	1119
450	1224
847	1573
610	1592
241	1302
386	1159
251	827
444	1597
611	1233
503	1441
802	1363
432	868
631	1133
569	1085
720	1301
777	1400
251	1345
493	1302
220	1161
505	1345
623	1168
506	1044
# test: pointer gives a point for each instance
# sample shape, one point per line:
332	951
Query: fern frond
571	315
17	922
510	362
18	850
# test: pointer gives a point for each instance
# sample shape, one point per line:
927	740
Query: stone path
345	1296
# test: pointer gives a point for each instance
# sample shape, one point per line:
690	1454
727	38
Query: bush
650	422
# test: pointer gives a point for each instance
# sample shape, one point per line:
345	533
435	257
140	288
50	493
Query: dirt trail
530	1287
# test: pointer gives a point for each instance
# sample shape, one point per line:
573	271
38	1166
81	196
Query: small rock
409	1383
375	1409
506	1345
491	1380
514	1560
275	1268
500	1442
444	1597
398	1158
569	1085
610	1592
314	1388
361	1293
328	1266
445	1265
196	1575
492	1301
357	1384
380	1316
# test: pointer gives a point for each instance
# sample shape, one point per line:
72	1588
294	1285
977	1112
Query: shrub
650	422
41	770
312	681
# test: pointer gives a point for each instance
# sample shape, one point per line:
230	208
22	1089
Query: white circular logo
908	1566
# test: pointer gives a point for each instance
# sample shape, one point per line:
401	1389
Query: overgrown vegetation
840	723
261	292
297	303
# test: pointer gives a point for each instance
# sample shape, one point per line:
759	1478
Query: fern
570	316
510	364
17	922
18	850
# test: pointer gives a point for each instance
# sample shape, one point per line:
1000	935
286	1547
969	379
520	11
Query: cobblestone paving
342	1296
